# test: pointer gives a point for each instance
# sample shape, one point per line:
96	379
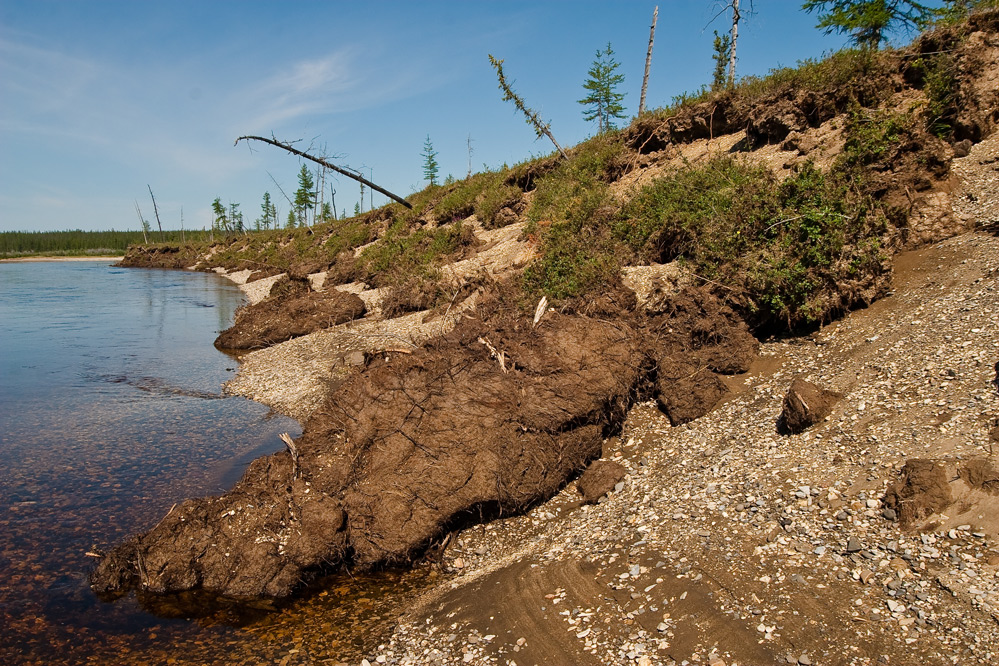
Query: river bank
728	542
621	463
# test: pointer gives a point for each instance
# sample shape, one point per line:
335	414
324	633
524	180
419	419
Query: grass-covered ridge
789	249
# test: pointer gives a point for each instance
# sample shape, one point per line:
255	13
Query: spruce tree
723	49
867	21
221	222
265	212
430	165
304	196
604	102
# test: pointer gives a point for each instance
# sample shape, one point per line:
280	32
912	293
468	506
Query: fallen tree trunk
318	160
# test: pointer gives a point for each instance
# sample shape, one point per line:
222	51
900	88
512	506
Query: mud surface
291	311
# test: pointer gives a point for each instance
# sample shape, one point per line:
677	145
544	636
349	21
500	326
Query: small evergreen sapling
603	101
723	49
430	166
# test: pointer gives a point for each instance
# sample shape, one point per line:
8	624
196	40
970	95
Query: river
111	411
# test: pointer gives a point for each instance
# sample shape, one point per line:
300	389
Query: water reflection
110	411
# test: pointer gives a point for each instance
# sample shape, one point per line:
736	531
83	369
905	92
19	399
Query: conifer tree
541	128
430	165
723	48
304	196
264	221
604	102
221	222
867	21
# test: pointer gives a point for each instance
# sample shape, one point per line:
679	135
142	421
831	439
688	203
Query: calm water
111	411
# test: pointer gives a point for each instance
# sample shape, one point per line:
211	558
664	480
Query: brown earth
805	405
161	256
488	420
292	310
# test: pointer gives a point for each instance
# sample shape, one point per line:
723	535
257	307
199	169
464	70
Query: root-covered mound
161	256
495	416
694	338
285	315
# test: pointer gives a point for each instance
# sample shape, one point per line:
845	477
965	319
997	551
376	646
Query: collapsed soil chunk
921	490
599	479
497	416
694	337
805	404
289	312
403	449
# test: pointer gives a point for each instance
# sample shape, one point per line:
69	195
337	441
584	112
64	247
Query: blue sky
99	99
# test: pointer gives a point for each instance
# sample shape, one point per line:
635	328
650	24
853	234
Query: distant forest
76	243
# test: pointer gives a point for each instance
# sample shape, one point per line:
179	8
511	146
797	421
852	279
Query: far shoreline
54	258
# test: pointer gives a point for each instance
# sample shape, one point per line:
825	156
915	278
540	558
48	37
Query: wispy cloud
320	85
345	80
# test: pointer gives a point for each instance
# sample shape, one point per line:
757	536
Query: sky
100	100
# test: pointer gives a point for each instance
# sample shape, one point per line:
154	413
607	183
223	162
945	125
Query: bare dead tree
735	40
318	160
142	221
283	193
468	143
156	211
317	212
737	17
541	128
648	61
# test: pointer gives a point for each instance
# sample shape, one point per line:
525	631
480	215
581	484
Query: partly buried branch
318	160
540	127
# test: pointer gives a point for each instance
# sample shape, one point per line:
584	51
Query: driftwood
318	160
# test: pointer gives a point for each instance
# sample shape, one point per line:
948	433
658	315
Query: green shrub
778	248
781	246
938	75
578	187
401	254
871	139
462	198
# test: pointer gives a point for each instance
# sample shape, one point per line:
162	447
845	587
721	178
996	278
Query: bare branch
648	61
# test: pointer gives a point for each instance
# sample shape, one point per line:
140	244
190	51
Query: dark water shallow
110	411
